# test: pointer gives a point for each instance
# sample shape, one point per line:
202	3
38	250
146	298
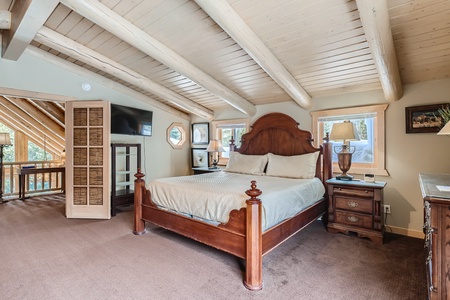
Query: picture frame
200	158
200	133
424	118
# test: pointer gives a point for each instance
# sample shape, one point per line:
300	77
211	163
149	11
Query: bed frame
242	236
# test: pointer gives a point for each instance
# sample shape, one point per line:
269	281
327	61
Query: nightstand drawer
353	192
354	219
354	204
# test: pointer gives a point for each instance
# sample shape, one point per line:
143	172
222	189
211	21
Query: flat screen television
131	121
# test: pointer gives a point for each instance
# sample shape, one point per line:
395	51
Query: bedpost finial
327	137
253	192
139	174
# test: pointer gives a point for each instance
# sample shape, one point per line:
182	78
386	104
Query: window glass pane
227	133
365	147
8	151
175	135
36	153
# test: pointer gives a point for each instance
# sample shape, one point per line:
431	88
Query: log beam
227	18
28	16
125	30
375	20
5	19
82	53
62	63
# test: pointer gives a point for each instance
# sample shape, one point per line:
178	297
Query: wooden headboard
279	134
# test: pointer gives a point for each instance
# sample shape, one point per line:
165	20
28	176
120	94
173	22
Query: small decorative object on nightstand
356	206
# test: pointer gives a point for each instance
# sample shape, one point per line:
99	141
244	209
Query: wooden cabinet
125	160
356	206
437	233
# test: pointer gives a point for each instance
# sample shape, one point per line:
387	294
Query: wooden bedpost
253	262
327	159
139	183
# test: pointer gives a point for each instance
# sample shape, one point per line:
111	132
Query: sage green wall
160	159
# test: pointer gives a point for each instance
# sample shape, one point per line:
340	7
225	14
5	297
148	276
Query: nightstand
356	206
205	170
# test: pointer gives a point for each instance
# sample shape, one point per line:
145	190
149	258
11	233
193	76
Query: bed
243	233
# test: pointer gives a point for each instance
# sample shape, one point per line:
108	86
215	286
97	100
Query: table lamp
4	141
215	146
344	132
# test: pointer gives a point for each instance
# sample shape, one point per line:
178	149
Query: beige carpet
46	256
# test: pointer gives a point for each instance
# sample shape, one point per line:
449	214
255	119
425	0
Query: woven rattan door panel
87	159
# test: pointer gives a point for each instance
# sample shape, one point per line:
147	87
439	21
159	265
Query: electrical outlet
387	209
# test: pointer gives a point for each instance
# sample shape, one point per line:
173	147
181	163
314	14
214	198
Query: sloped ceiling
200	56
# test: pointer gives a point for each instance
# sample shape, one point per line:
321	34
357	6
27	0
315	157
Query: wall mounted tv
131	121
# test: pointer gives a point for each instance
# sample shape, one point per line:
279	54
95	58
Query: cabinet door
87	159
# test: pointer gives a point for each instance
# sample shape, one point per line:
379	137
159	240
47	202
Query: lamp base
344	177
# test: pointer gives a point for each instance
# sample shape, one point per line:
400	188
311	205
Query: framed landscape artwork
425	118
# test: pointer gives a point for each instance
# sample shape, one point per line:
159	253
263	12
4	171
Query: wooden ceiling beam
33	127
37	115
125	30
5	19
50	110
28	16
82	53
15	124
66	65
227	18
375	20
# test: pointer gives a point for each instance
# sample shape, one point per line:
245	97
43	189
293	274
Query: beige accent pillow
246	164
297	166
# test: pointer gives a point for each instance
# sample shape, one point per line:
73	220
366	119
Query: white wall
161	160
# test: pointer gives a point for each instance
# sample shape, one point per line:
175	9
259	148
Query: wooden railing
34	183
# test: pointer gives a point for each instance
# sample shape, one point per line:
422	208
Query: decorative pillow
246	164
297	166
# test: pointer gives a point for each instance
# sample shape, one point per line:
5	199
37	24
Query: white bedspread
212	196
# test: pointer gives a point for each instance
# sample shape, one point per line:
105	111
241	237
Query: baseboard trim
403	231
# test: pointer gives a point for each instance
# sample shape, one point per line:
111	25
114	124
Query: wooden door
87	159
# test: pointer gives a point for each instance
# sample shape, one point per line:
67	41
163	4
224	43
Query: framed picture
200	158
426	118
200	133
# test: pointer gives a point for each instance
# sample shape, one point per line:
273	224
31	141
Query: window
36	153
176	135
369	155
225	130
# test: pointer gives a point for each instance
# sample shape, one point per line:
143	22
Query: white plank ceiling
179	54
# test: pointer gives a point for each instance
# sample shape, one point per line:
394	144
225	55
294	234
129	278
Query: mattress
211	197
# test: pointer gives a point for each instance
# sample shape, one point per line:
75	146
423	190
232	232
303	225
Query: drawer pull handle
353	219
352	204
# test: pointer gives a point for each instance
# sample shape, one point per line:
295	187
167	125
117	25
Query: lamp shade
345	131
215	146
4	139
445	130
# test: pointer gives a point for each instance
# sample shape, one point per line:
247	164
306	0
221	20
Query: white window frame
378	167
216	134
183	134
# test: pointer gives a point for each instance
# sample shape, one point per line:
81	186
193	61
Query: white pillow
297	166
246	164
